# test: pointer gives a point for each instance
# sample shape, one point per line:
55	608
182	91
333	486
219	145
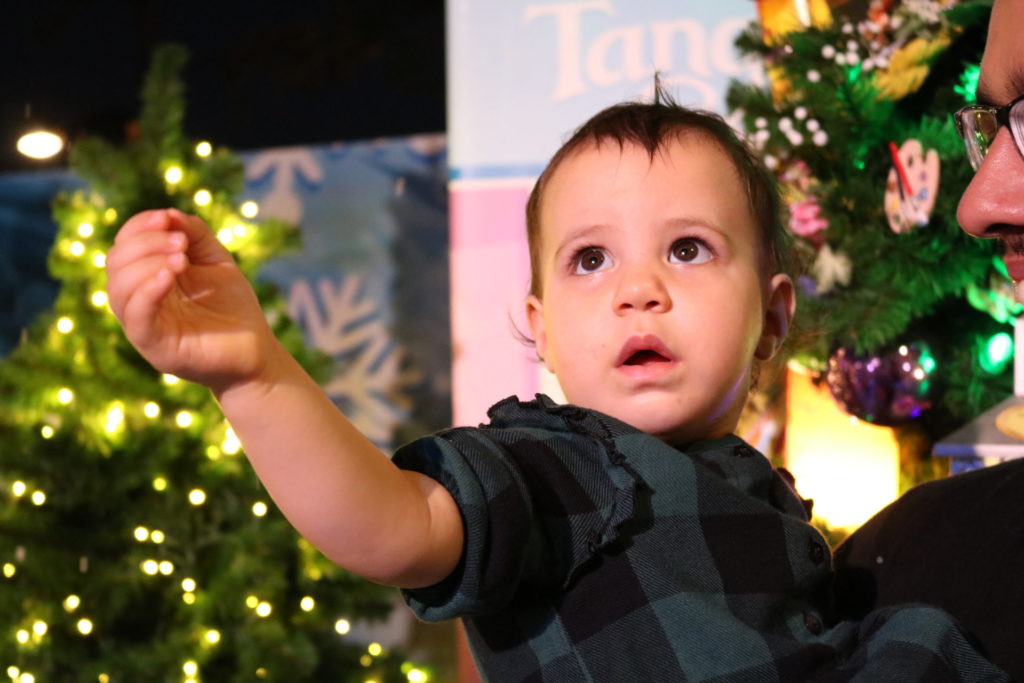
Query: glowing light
156	536
251	601
38	497
159	484
76	248
71	603
9	570
249	209
225	235
103	678
151	567
375	649
183	419
188	585
84	626
39	627
26	678
197	496
173	175
342	626
997	353
240	230
166	567
212	452
141	534
202	197
231	444
213	636
99	260
366	660
40	144
204	149
47	432
22	636
99	299
151	410
19	488
65	396
821	440
115	419
86	230
65	325
170	380
110	215
13	671
189	598
307	604
261	672
259	508
264	609
190	668
417	676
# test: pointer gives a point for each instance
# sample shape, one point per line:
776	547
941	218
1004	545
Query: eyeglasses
978	126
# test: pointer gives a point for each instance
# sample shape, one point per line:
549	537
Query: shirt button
813	624
816	552
743	451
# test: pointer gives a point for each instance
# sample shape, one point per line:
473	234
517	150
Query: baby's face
653	302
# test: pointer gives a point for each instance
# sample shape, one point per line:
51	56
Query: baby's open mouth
645	357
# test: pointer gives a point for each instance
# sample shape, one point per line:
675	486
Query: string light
156	536
342	626
173	175
76	248
259	508
26	678
65	396
251	601
115	418
99	299
150	567
19	488
71	603
366	660
85	230
190	668
141	534
65	325
166	567
46	431
99	260
204	149
38	498
202	197
13	671
307	604
22	636
183	419
189	598
417	676
197	496
231	444
375	649
159	484
226	236
249	209
110	215
9	570
213	636
264	609
151	410
240	230
84	626
169	380
39	627
188	585
103	678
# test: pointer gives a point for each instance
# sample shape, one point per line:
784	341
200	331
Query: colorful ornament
805	217
911	186
884	389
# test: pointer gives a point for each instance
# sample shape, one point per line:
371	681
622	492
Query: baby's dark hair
651	125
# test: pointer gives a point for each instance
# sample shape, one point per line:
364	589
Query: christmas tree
135	542
906	318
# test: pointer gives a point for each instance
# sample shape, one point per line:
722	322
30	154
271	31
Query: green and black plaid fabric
595	552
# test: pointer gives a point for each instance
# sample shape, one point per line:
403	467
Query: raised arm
190	312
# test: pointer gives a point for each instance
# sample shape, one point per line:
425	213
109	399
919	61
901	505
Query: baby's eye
690	250
591	260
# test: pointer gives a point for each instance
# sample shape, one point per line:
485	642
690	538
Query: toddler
625	536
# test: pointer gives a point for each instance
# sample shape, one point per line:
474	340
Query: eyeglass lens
979	128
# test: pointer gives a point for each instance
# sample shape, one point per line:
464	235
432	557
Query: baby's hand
184	303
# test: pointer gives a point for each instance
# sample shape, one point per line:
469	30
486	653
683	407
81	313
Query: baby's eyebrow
582	233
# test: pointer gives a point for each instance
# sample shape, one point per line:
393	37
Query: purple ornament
887	389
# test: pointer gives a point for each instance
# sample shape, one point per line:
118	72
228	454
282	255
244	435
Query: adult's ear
778	315
535	318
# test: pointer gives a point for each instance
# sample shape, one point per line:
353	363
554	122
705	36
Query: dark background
261	73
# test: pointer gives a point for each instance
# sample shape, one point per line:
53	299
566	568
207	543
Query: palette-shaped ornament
911	187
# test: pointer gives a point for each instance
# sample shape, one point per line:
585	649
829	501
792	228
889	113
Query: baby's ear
535	317
780	305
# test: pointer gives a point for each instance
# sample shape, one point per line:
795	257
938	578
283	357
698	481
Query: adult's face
993	205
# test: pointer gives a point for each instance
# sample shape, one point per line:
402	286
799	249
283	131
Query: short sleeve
536	509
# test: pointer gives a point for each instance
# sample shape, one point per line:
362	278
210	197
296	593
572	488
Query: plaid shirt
595	552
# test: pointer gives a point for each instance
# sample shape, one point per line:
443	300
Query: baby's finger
142	308
154	220
145	245
203	246
131	278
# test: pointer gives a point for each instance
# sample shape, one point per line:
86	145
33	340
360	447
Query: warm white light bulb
204	149
225	235
99	299
150	567
9	570
202	197
183	419
197	496
307	604
86	230
76	248
84	626
213	636
47	431
65	325
72	602
166	567
99	260
375	649
151	410
141	534
173	175
264	609
159	484
342	626
170	380
249	209
259	508
39	627
40	144
157	536
19	488
188	585
65	396
22	636
38	497
190	668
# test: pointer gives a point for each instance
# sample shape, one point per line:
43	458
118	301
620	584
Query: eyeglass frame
1002	116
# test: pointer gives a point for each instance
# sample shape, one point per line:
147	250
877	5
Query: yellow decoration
848	467
908	67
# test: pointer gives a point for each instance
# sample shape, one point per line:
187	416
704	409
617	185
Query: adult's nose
993	203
